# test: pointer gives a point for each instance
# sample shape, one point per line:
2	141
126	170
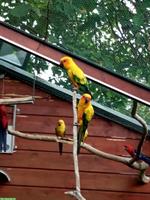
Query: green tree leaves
21	10
110	33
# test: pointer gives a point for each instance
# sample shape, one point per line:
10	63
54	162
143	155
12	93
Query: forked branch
19	100
144	125
142	166
142	140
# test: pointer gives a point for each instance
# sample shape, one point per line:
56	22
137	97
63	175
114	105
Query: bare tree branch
143	123
75	194
20	100
141	166
75	130
10	95
143	177
134	114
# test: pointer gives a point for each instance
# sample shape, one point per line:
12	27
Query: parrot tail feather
60	148
80	138
78	141
78	147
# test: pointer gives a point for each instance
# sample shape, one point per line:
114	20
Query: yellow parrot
76	75
85	113
60	131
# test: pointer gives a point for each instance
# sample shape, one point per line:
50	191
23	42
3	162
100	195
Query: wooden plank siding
37	170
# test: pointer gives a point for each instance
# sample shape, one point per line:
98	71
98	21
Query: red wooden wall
37	170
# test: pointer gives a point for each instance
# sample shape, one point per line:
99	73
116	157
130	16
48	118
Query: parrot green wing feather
81	132
76	79
83	83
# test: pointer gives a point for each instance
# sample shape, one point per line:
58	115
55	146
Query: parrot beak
86	100
59	124
61	64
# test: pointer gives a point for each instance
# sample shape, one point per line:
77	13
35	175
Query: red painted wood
52	108
23	193
38	171
46	124
34	193
13	86
105	144
106	195
53	161
50	53
65	179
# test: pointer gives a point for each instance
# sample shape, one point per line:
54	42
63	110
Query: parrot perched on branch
76	75
133	153
3	128
130	149
85	113
60	131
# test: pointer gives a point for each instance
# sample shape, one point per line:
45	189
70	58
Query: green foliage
36	64
20	10
109	33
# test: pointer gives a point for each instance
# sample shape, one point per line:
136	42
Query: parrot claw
132	161
76	124
75	88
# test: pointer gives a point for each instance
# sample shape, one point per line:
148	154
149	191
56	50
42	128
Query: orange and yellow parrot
85	113
75	74
60	131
